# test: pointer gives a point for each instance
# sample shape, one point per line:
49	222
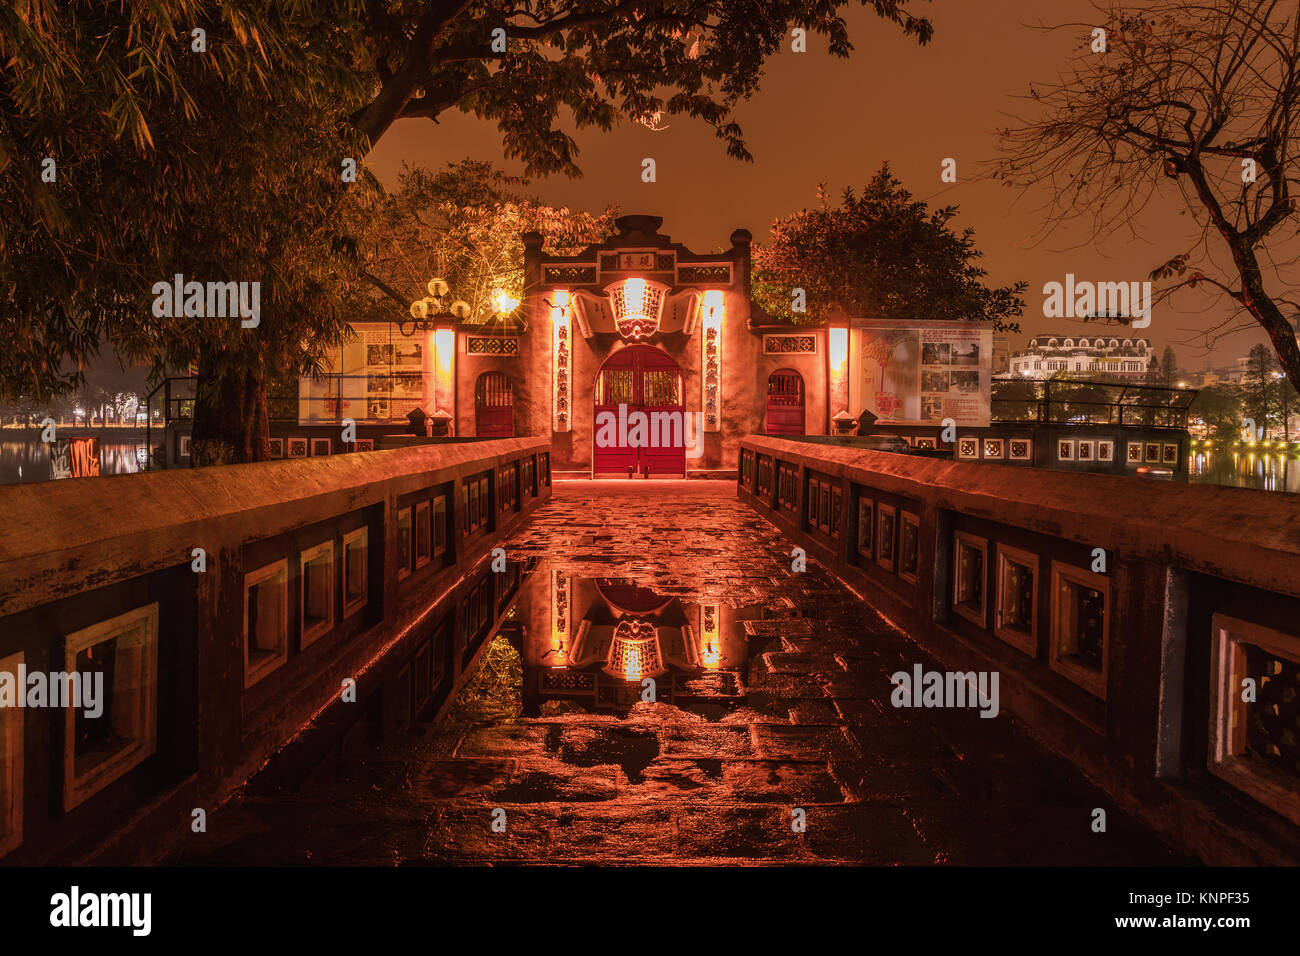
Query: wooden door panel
644	379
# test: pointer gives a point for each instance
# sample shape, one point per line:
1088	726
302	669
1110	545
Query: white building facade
1116	356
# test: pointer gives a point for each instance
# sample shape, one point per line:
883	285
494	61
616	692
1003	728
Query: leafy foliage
224	164
495	692
879	253
210	164
1219	406
463	224
598	60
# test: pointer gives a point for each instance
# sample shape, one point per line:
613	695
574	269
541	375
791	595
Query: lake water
1269	471
26	461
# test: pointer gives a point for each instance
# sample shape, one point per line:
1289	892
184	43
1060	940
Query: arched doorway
639	379
494	409
785	402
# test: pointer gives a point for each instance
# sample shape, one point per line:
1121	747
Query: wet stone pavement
802	721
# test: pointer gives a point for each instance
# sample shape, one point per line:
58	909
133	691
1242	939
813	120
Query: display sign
915	373
646	260
378	375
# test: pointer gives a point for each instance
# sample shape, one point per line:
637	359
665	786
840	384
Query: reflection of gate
641	378
494	411
785	403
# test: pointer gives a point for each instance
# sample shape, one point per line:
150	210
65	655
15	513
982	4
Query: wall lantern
713	312
839	348
503	303
637	305
561	343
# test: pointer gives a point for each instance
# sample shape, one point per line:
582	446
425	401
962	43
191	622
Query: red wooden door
785	403
639	378
494	409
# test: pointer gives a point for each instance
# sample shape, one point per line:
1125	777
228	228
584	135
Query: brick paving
667	785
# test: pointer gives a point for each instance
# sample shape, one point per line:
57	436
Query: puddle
604	645
631	749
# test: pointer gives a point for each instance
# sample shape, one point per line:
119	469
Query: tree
599	60
1169	367
1258	388
463	224
225	160
1201	97
1287	402
1219	407
1155	374
138	141
881	253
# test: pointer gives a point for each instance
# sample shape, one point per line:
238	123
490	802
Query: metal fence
1093	403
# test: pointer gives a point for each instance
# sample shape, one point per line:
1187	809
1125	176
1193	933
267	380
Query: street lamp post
434	313
428	312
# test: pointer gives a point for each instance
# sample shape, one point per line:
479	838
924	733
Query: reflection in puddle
605	644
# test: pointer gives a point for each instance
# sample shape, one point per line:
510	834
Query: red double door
639	378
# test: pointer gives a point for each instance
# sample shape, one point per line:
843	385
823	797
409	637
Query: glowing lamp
839	348
637	305
444	348
503	302
710	652
561	341
713	312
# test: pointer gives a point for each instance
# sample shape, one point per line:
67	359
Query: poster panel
923	373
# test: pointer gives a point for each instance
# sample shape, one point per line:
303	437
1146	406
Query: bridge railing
224	609
1126	619
1100	403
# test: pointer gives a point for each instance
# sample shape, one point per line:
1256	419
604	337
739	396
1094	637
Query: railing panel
1123	616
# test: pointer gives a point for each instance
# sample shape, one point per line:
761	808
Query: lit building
1117	356
636	356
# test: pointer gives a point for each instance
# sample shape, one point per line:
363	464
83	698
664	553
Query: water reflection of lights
710	653
634	652
559	618
1269	465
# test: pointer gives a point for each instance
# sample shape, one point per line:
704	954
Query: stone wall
374	568
1190	572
